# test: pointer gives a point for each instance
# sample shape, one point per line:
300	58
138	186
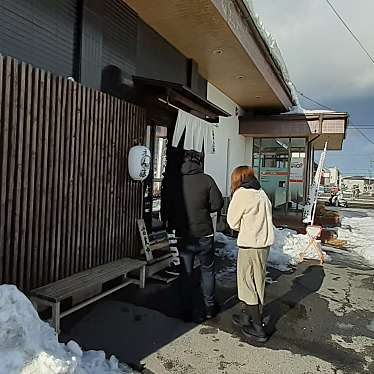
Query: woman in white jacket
250	213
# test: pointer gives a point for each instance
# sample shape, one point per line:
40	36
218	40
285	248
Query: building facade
83	81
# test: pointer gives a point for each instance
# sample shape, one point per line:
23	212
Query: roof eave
265	48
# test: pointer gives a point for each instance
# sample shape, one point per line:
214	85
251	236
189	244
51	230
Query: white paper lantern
139	162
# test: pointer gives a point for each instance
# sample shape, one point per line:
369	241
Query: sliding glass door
279	164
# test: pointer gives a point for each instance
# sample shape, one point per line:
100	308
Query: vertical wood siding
66	201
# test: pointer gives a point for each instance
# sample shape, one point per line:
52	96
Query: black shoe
255	332
240	320
212	311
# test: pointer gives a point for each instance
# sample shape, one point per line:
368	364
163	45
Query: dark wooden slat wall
66	201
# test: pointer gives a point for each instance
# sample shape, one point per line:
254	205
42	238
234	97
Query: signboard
297	170
310	206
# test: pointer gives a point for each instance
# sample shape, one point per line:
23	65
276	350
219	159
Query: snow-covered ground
284	253
30	346
359	233
288	245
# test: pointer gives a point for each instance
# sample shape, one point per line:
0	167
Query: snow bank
30	346
358	232
284	253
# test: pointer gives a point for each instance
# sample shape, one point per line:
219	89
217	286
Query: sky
327	64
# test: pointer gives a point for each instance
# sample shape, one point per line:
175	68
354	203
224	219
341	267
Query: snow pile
284	253
226	249
358	232
292	245
229	249
278	258
30	346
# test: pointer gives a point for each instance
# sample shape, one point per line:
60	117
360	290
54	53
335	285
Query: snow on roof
298	109
273	48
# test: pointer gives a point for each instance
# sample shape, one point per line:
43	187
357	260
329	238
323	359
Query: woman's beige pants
251	273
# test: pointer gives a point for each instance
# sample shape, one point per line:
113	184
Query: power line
361	128
351	32
363	48
363	134
350	155
361	169
357	128
365	125
312	100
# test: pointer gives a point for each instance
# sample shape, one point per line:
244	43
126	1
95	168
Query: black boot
212	311
255	330
242	319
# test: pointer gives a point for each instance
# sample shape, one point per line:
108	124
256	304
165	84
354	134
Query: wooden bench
53	293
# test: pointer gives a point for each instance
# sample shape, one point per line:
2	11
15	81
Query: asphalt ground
321	320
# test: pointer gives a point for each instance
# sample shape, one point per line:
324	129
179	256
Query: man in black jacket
191	197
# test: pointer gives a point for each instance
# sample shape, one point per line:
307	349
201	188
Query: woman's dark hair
239	176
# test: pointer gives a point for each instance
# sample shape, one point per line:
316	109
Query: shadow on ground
133	323
308	282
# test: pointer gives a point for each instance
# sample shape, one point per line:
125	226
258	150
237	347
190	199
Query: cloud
323	59
326	64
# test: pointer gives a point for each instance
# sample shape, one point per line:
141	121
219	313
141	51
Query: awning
179	96
324	127
224	41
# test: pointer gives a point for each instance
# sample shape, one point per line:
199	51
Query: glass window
279	164
298	143
274	169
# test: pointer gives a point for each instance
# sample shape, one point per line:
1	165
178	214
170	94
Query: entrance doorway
166	160
280	166
156	141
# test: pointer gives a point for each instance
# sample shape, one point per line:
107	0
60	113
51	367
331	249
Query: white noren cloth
197	132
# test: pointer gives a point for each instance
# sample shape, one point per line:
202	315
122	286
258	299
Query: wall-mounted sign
297	170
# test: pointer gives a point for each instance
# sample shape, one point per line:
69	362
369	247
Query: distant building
364	184
331	177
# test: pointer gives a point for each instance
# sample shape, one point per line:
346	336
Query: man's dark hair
193	156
